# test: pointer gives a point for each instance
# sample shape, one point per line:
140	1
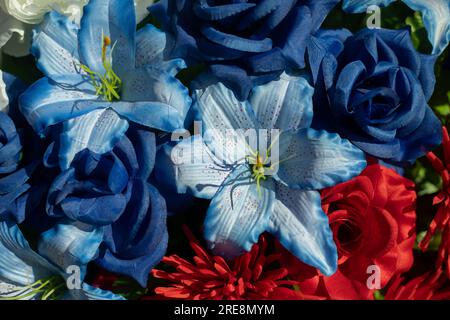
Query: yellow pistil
107	85
258	170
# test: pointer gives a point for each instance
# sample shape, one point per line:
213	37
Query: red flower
373	221
430	286
254	275
441	222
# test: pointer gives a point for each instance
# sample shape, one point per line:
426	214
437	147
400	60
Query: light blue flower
435	14
246	200
26	274
101	75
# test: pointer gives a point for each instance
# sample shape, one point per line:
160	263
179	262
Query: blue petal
113	18
436	18
222	114
138	240
301	25
191	166
154	88
359	6
238	214
50	101
144	144
150	50
55	45
302	227
18	262
323	48
71	243
88	292
235	42
313	159
98	131
283	104
155	115
426	137
219	12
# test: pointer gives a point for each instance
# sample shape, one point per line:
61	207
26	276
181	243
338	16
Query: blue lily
26	274
99	76
246	198
435	14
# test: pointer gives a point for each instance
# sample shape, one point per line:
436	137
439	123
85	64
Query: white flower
3	97
33	11
17	18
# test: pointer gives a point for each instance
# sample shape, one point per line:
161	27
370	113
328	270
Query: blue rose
111	191
241	39
373	88
20	156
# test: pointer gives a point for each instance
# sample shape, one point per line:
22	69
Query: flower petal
436	18
4	101
283	104
115	19
303	228
50	101
150	49
313	159
238	214
359	6
149	86
191	166
223	117
55	45
138	240
18	262
98	131
71	243
88	292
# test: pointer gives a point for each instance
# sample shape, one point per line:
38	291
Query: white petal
3	97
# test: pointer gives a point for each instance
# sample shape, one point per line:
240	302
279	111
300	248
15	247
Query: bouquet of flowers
223	150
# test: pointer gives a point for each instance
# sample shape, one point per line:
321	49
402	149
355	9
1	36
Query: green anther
109	84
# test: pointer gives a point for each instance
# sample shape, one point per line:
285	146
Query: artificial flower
100	76
241	40
429	286
19	16
26	274
251	276
251	192
4	101
111	191
20	157
435	15
373	221
376	87
441	221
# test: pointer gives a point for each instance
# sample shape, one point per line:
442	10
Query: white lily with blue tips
26	274
246	200
100	76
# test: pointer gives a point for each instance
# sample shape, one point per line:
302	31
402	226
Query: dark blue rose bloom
13	175
242	42
373	88
20	158
111	191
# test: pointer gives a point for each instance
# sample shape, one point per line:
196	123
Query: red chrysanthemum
253	275
429	286
441	221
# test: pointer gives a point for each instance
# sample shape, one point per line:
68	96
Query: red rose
373	221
